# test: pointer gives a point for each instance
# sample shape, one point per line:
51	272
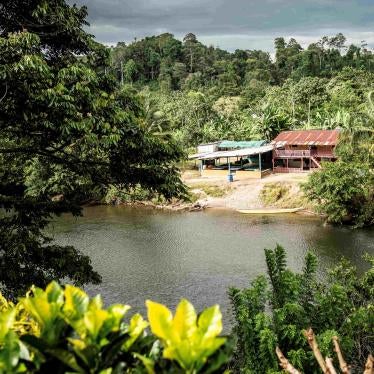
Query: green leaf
10	352
148	363
67	358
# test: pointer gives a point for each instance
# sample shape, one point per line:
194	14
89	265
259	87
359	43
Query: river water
164	256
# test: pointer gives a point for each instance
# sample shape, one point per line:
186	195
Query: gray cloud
232	24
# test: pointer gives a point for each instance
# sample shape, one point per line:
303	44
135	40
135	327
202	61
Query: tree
337	41
179	73
63	120
129	70
190	46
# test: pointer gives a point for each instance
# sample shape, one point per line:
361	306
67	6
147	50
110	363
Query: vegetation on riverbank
202	190
344	192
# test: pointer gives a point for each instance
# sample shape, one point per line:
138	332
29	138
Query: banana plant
187	338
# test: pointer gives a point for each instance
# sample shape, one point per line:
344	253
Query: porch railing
296	153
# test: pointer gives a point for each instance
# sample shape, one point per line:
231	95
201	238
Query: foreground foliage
63	330
275	312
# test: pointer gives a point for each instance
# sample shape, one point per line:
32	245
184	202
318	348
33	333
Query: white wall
206	148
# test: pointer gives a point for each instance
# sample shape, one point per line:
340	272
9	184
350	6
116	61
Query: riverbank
273	191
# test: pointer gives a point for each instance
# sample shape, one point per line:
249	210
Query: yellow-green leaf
118	311
160	320
7	319
210	322
76	302
54	293
137	326
94	320
147	362
184	322
40	309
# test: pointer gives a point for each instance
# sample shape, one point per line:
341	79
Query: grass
283	195
209	190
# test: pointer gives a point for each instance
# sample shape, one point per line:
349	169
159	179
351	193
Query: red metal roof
307	137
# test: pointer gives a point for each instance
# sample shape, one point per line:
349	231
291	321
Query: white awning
236	153
198	155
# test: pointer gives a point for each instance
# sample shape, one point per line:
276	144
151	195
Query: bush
343	191
62	330
275	311
123	195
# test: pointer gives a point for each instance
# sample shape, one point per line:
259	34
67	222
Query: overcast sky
232	24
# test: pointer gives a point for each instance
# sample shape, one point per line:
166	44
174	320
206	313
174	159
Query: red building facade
303	150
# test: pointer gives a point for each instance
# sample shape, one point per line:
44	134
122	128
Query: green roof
241	144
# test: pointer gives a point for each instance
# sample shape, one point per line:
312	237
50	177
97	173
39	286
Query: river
164	256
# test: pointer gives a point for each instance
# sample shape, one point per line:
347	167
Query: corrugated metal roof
241	144
307	137
236	153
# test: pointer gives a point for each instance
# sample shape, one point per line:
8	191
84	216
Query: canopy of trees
204	93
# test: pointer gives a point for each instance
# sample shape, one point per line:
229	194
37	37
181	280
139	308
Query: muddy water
165	256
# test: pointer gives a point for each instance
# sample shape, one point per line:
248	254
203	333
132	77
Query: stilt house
303	150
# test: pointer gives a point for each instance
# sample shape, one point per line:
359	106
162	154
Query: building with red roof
303	150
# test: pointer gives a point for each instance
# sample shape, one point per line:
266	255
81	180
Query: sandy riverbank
244	194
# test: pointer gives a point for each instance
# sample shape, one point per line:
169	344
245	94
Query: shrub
344	191
121	195
62	330
274	311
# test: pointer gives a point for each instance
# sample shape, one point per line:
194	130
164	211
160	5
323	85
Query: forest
202	93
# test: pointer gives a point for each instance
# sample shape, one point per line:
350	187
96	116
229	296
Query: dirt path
239	194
